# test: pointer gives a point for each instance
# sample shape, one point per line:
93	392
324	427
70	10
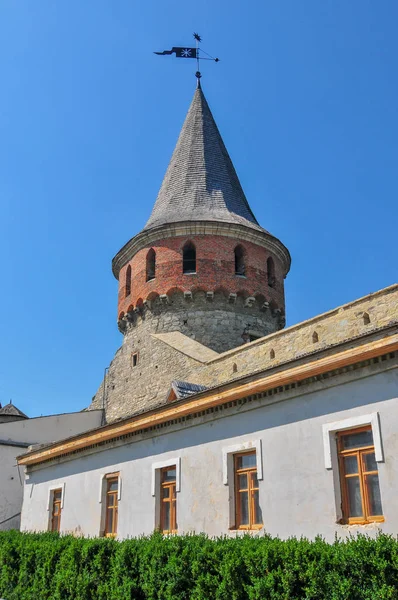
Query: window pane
112	485
244	508
166	516
111	499
257	517
254	479
356	440
169	474
55	524
246	461
354	497
374	500
242	481
369	461
350	465
109	523
166	492
57	495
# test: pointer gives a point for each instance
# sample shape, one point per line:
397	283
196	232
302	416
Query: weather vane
191	53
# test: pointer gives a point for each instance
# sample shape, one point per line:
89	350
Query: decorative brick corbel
250	301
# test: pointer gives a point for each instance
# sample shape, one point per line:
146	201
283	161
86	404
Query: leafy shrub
47	566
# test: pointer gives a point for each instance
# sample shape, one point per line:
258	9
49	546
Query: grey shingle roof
183	389
201	183
11	410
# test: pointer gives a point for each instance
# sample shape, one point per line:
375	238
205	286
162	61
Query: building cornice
212	398
189	228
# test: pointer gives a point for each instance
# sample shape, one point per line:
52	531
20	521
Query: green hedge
48	566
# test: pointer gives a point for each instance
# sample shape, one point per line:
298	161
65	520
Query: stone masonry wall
131	389
219	321
176	356
343	324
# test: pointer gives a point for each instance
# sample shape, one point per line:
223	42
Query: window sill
190	273
362	521
235	529
240	276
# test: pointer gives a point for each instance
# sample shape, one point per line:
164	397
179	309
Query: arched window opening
271	272
239	261
366	318
315	337
128	282
150	265
272	354
234	368
189	258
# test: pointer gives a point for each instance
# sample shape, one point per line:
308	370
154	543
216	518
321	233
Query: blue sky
305	96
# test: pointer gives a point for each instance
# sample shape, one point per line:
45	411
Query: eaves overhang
187	228
211	398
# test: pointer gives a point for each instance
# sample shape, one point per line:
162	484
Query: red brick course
215	269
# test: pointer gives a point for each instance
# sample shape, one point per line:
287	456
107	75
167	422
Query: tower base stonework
218	320
210	323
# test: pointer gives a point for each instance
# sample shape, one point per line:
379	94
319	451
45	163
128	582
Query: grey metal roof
184	389
201	183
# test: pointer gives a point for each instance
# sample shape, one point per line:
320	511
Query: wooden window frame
240	471
56	503
111	529
172	500
362	473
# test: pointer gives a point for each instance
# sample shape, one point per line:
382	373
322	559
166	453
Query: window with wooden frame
111	504
168	501
247	507
56	510
359	478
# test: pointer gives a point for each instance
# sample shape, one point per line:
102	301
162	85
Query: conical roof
201	183
12	411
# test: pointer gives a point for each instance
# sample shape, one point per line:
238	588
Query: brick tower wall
214	305
215	270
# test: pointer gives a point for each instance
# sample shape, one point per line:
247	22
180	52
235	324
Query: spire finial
198	75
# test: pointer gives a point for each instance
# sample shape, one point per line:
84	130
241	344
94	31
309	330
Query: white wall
51	428
37	430
297	492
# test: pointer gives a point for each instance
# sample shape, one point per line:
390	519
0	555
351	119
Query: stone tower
202	266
